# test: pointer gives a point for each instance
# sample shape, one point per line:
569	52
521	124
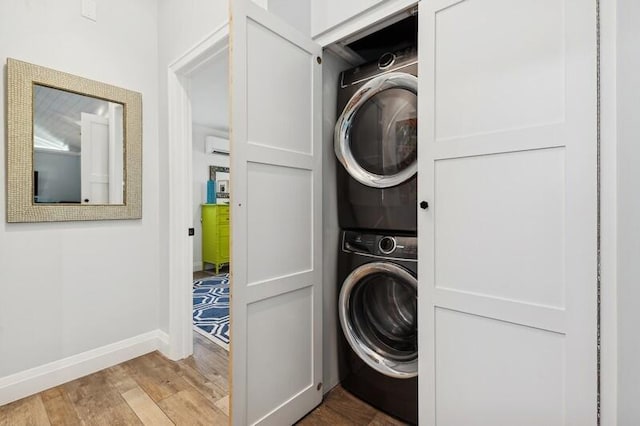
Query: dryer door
375	137
378	314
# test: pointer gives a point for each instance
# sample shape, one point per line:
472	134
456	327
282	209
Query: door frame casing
608	213
180	187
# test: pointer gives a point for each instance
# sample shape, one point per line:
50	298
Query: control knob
387	245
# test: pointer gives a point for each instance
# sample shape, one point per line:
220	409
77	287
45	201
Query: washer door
375	137
379	317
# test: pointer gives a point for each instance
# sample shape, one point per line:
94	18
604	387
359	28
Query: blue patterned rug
211	308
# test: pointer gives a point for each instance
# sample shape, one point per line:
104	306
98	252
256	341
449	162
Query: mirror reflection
78	148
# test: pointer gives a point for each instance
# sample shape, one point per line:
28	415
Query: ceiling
57	117
210	94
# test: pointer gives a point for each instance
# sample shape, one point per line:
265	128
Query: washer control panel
390	246
389	61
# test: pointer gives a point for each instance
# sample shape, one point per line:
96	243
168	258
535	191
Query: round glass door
376	135
379	316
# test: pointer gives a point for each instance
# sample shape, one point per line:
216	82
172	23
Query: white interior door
116	154
508	255
94	159
276	246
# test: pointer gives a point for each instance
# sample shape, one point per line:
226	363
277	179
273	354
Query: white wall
66	288
297	14
201	163
210	94
58	176
330	13
337	20
628	106
182	24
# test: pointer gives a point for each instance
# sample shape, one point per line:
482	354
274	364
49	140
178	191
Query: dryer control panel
387	246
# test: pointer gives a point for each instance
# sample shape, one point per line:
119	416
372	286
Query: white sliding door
276	304
508	255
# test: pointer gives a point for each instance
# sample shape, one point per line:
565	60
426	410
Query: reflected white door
94	159
276	245
116	153
508	255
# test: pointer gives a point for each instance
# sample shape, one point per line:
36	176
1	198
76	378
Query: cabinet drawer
223	231
223	218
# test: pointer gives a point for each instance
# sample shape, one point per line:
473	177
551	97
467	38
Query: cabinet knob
424	205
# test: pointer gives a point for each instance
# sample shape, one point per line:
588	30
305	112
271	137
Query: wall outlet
90	10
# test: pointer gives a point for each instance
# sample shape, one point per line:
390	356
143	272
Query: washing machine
377	309
375	141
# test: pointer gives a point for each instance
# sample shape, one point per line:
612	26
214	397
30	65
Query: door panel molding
276	198
505	213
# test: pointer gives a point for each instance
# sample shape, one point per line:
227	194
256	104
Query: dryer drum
378	314
403	157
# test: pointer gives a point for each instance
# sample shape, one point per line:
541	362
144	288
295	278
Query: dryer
377	307
375	141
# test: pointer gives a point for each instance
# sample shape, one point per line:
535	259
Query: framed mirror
74	147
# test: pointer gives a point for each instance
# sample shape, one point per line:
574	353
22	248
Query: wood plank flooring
152	390
339	407
149	390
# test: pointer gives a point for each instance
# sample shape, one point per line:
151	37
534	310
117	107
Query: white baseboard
197	266
163	343
37	379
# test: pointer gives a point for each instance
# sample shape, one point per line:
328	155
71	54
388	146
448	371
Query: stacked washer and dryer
376	143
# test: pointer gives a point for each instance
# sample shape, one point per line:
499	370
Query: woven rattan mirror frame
21	78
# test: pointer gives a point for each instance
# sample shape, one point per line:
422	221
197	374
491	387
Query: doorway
210	137
191	120
198	111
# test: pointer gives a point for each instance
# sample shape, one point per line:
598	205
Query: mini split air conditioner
216	145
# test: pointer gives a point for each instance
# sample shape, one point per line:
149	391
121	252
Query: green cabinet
215	235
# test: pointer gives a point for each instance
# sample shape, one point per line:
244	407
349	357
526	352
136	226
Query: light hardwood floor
152	390
339	407
149	390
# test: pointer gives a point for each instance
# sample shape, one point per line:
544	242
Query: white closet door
276	245
508	256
